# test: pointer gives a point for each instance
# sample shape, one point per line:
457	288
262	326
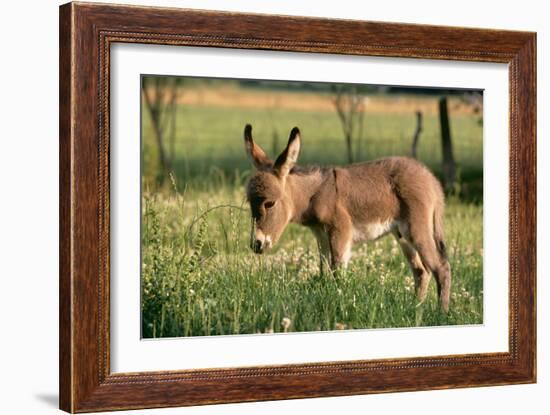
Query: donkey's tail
439	235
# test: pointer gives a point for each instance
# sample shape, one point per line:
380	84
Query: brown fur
341	205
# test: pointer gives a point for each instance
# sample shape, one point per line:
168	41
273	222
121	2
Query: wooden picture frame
86	33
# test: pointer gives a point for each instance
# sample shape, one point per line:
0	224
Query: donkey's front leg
340	239
323	244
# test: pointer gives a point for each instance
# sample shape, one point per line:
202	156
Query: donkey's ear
286	161
256	154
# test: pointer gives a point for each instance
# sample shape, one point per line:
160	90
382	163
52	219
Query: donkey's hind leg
422	277
435	261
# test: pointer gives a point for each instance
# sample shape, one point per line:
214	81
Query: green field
199	277
209	151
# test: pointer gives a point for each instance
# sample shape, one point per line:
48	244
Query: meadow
199	276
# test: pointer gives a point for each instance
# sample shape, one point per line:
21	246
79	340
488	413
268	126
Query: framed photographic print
260	207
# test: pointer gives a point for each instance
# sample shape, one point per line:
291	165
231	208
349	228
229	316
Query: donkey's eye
269	205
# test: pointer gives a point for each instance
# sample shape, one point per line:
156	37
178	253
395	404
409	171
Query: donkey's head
267	192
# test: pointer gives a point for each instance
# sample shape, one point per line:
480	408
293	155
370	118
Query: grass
199	277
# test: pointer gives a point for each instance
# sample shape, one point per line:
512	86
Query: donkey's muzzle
257	246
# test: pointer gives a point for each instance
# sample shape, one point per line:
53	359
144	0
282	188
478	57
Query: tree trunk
449	168
155	121
160	97
349	147
417	133
349	107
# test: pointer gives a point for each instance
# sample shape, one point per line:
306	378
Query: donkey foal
342	205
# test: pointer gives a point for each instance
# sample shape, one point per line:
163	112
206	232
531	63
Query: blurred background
192	128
